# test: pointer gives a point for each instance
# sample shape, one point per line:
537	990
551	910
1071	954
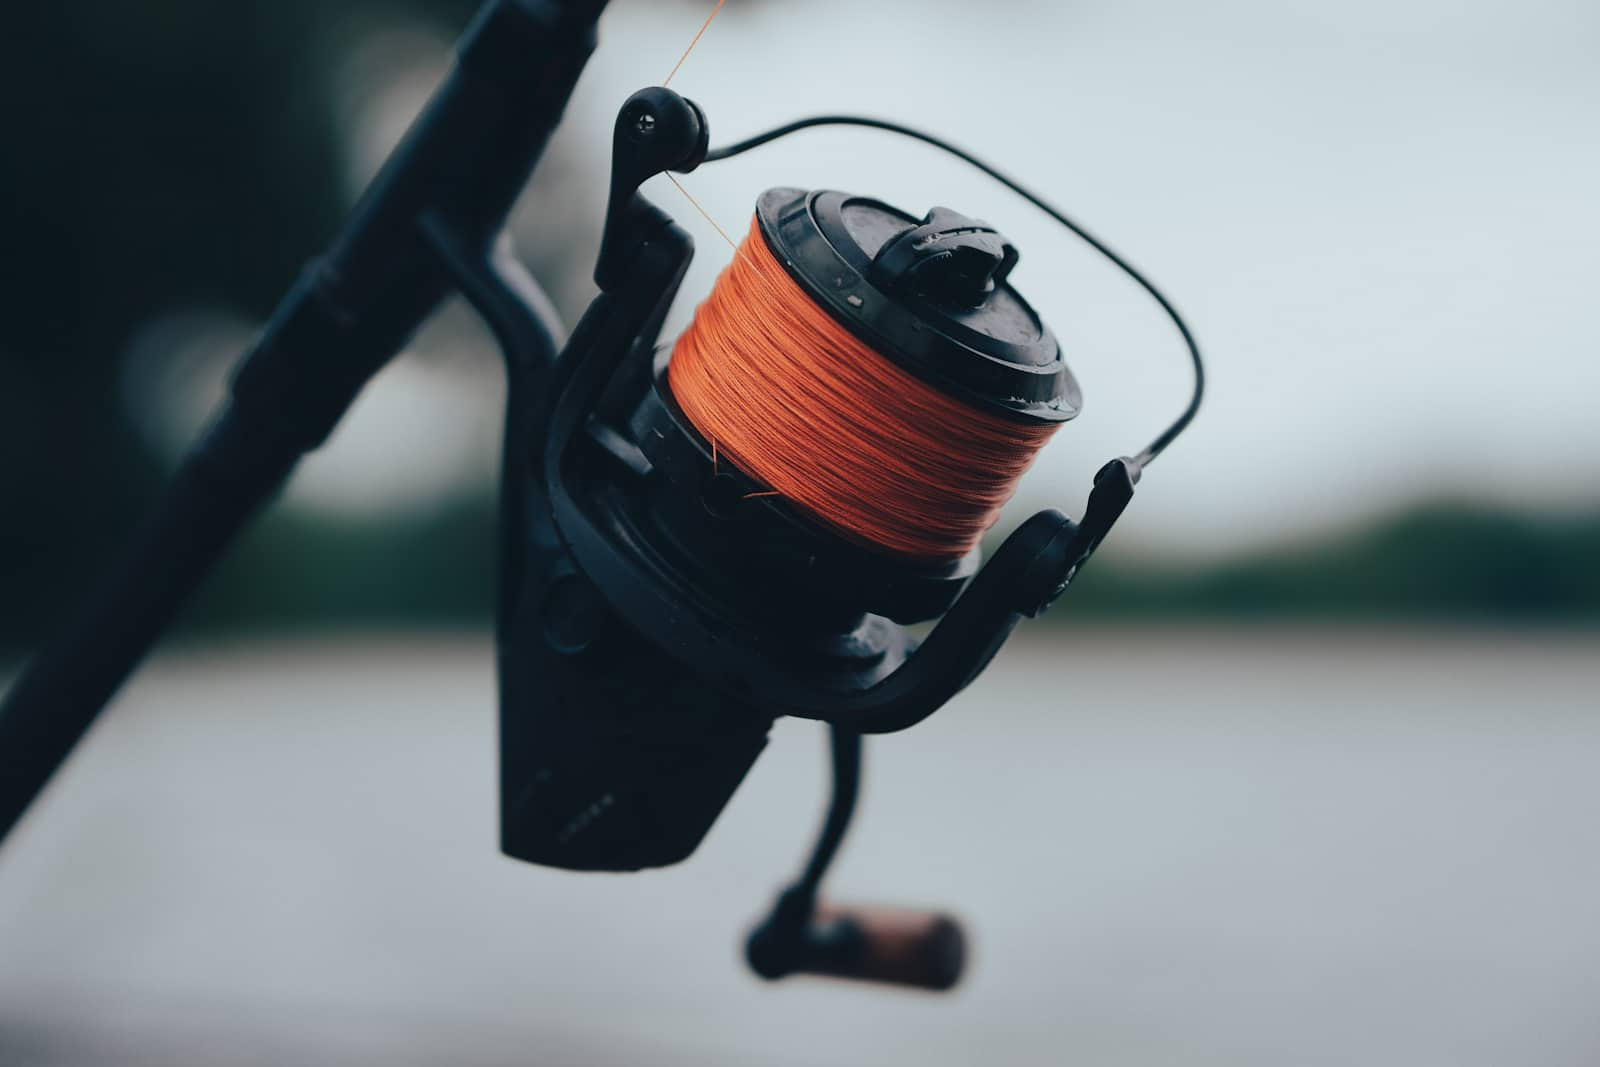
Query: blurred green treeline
1436	564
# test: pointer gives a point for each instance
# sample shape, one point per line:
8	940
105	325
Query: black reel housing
662	621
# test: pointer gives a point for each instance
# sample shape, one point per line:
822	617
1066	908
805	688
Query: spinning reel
661	603
669	610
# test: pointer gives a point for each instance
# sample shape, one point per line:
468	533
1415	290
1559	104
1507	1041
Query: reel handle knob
896	946
868	943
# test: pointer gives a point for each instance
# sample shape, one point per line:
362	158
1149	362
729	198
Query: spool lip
998	354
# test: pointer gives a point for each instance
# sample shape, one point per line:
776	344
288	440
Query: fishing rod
695	538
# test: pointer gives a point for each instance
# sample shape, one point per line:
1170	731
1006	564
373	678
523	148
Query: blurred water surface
1173	846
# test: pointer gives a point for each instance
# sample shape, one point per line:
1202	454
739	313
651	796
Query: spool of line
850	437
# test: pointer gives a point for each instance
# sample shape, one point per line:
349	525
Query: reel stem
895	946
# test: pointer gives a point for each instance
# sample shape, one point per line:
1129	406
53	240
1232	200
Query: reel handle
895	946
868	943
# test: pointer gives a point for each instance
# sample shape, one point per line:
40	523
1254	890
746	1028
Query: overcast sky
1381	218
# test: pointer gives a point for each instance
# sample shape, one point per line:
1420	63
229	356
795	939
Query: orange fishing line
797	402
704	26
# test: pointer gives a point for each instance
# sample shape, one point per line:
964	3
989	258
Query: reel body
664	613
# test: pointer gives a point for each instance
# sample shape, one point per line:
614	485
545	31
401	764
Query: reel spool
876	371
808	485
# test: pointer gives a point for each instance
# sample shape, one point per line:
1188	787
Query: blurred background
1301	771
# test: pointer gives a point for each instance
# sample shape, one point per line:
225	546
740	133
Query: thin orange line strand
801	405
704	26
703	212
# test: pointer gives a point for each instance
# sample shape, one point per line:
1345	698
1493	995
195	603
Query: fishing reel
665	607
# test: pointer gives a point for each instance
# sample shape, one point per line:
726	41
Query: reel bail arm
656	131
1108	499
